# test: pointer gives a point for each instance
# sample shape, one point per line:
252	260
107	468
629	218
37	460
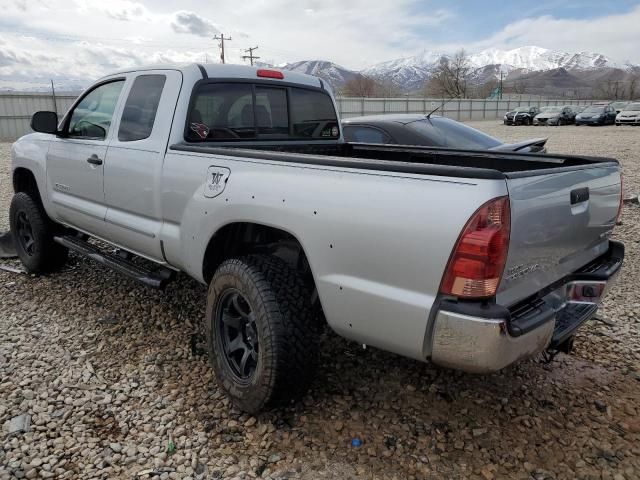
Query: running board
151	278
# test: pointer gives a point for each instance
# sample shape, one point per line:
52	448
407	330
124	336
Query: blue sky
476	20
58	38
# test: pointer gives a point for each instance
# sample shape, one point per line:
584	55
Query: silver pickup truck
239	177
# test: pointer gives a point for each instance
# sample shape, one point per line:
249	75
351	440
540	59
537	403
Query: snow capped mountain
408	72
539	59
331	72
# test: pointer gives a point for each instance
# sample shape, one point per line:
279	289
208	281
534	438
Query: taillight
270	74
619	214
477	261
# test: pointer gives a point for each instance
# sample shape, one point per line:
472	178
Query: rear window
443	132
238	111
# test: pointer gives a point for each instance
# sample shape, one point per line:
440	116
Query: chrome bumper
483	339
479	345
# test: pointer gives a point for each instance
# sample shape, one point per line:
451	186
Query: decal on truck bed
217	178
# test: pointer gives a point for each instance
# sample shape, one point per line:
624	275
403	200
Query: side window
139	112
361	134
91	118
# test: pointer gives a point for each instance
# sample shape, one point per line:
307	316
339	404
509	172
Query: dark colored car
555	115
597	115
521	116
434	131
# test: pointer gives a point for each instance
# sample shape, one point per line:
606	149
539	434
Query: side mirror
44	122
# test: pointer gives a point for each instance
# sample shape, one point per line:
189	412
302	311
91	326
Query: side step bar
151	278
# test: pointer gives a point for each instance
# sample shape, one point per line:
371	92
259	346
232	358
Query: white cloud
124	10
191	22
88	38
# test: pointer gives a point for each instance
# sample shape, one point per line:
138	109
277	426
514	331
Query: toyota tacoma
239	177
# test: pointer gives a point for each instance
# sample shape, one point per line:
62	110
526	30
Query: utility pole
251	56
221	44
501	77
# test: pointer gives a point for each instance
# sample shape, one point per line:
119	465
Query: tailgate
560	221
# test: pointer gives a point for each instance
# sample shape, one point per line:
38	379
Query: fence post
362	107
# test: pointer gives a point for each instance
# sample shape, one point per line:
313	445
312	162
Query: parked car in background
433	131
630	115
579	108
619	106
597	114
557	115
521	116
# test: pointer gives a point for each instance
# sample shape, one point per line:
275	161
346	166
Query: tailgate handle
579	195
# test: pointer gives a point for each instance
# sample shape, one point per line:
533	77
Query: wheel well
25	181
243	238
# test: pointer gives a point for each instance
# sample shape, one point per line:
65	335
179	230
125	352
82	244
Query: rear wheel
261	330
33	233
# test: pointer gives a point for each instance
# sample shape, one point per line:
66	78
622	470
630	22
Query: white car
630	115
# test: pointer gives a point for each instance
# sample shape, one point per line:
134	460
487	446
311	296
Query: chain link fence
457	109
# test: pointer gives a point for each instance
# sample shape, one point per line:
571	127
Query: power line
251	56
221	44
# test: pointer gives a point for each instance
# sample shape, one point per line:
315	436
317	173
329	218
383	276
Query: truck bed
407	159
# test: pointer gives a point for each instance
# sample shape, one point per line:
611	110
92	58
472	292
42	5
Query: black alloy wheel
239	338
24	234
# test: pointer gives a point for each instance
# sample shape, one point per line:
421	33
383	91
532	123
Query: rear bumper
590	122
485	338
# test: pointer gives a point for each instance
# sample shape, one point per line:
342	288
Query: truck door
75	161
133	166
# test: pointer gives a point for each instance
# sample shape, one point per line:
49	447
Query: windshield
634	107
521	110
443	132
593	110
551	109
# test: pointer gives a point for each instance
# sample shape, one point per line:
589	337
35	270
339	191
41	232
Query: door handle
94	160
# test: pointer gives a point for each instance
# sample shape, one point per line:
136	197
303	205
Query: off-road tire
286	325
45	255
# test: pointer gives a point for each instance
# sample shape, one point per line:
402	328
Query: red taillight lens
270	74
477	262
619	214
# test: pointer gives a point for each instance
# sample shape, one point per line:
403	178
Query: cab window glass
140	109
221	111
272	117
234	111
312	114
92	117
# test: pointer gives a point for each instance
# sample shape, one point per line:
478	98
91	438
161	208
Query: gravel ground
106	371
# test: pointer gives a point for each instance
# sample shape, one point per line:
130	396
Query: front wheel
261	330
33	233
